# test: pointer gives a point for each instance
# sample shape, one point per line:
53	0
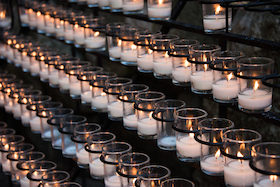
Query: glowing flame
191	134
9	42
33	53
151	115
150	51
189	125
103	94
42	58
119	43
218	9
166	55
204	58
215	141
24	100
217	154
24	53
133	47
96	34
205	67
17	46
273	178
242	146
160	2
84	77
229	76
38	13
6	147
44	114
186	63
2	14
239	154
76	26
256	85
226	151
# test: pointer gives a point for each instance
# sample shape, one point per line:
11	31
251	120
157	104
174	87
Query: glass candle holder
152	175
68	30
94	147
127	96
23	13
159	9
92	3
215	18
66	129
104	4
145	106
133	7
49	21
59	25
54	124
129	49
236	148
210	137
129	165
68	184
99	100
186	125
113	40
225	86
95	35
53	73
116	5
27	157
254	97
177	182
40	22
80	136
111	153
162	63
36	171
265	161
165	118
179	51
52	178
113	88
15	149
44	70
34	67
202	76
86	75
79	31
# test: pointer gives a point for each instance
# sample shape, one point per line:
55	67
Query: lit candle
130	121
54	77
86	96
35	124
116	4
95	42
226	89
239	173
163	66
100	102
96	167
271	181
64	83
160	10
147	126
115	52
115	109
213	163
255	99
145	62
133	6
187	146
129	55
202	80
82	156
75	88
79	35
40	21
182	73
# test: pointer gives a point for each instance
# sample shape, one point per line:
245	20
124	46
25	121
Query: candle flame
218	9
38	13
76	26
189	125
273	178
24	100
44	114
96	34
191	134
33	53
42	58
242	146
151	115
256	85
226	151
150	51
2	14
166	55
186	63
17	46
6	147
133	47
84	77
214	140
160	2
119	43
217	154
9	42
239	154
229	76
204	58
103	94
205	67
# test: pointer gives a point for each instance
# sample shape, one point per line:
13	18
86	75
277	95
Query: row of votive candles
227	74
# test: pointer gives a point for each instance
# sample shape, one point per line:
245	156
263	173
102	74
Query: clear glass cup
152	175
94	148
53	73
99	100
145	105
68	30
55	122
50	22
111	153
179	51
104	4
127	96
164	115
214	17
44	69
236	148
133	7
116	5
159	10
177	182
201	57
265	161
162	63
186	125
92	3
80	137
114	41
226	85
6	16
55	177
79	31
59	25
35	173
85	77
254	97
66	129
113	88
210	137
129	165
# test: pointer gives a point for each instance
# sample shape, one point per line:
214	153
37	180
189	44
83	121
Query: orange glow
273	178
229	76
191	134
256	85
133	47
205	67
96	34
239	154
218	9
217	154
38	13
103	94
166	55
186	63
150	51
160	2
204	58
119	43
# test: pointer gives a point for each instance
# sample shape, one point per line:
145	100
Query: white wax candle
99	102
44	74
115	4
24	18
96	167
145	62
254	99
64	83
188	147
202	80
225	90
160	11
130	121
115	109
35	68
168	141
75	88
212	164
54	77
2	101
86	96
129	55
35	124
9	106
163	66
79	36
83	156
59	31
17	110
103	3
50	29
40	22
95	42
6	165
133	6
181	74
215	22
90	2
25	118
147	126
24	182
239	173
267	182
25	62
115	52
69	34
113	181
